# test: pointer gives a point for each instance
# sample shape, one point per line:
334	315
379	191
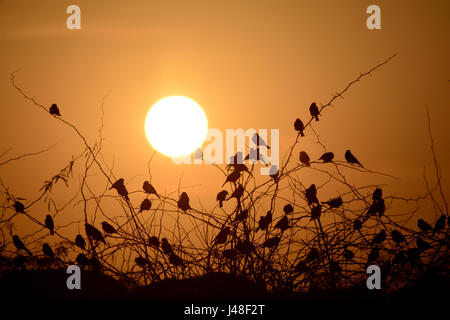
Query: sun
176	126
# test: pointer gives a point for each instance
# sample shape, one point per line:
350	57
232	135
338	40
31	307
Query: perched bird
82	260
377	206
175	260
379	237
108	228
311	194
222	236
229	254
334	203
148	188
259	141
315	212
183	202
241	216
80	242
373	255
146	204
49	223
348	254
264	221
423	225
245	247
440	223
304	158
95	263
221	197
238	192
141	261
19	207
327	157
19	245
153	241
312	255
47	250
301	267
255	155
54	110
422	244
377	194
232	177
282	224
236	159
272	242
93	233
357	225
166	247
119	185
351	158
314	111
288	209
298	126
397	236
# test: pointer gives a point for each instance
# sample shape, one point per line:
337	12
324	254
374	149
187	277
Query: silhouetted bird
241	216
273	172
314	111
377	194
377	206
146	204
119	185
265	221
49	223
93	233
255	155
221	197
239	167
80	242
315	212
422	244
397	236
313	254
373	255
301	267
19	207
153	241
351	158
82	260
229	254
298	126
19	244
236	159
232	177
288	209
272	242
357	225
282	224
259	141
222	236
348	254
54	110
304	158
47	250
238	192
141	261
148	188
413	255
380	237
175	260
334	203
311	194
166	247
245	247
108	228
440	223
183	202
423	226
95	263
327	157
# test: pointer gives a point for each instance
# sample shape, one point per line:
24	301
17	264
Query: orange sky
249	64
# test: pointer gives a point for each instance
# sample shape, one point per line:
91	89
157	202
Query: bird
311	194
301	267
327	157
82	260
238	192
397	236
146	204
440	223
19	207
334	203
94	233
141	261
183	202
166	247
264	221
237	158
80	242
377	194
282	224
315	212
259	141
422	244
54	110
423	225
379	237
148	188
47	250
49	223
288	209
304	158
348	254
108	228
19	245
314	111
298	126
119	185
271	242
232	177
377	206
312	255
245	247
175	260
153	241
221	197
373	255
357	225
229	254
254	155
241	216
222	236
351	158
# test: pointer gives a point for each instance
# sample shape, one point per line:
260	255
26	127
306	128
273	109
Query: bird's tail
317	117
51	232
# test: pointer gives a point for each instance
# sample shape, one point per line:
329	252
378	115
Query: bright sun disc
176	126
